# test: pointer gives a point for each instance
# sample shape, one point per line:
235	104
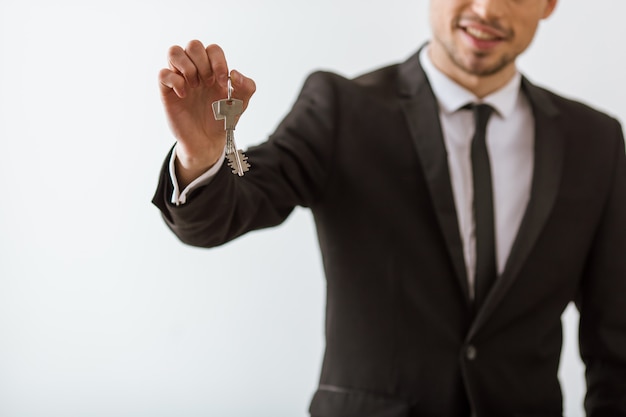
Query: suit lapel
422	115
548	166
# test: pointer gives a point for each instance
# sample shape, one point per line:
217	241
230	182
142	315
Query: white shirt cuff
179	197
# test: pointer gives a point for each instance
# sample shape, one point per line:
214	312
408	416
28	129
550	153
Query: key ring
230	89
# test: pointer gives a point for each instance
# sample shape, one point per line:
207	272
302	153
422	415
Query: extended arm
290	169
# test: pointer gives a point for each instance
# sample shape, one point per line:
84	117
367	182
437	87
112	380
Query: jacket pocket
332	401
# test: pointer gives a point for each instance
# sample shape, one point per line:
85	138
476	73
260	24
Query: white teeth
479	34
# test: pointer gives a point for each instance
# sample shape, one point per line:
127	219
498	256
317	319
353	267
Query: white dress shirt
180	196
510	142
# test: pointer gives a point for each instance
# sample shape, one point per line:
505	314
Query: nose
489	9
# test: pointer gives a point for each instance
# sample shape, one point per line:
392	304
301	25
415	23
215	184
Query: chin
482	66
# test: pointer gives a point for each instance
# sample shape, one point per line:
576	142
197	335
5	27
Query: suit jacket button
470	352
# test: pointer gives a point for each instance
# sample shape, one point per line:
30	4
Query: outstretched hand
196	77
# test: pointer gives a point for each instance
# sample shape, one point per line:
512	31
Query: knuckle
212	48
174	51
195	46
164	74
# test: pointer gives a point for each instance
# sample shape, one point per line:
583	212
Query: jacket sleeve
602	301
290	169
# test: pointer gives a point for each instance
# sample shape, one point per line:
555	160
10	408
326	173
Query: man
444	294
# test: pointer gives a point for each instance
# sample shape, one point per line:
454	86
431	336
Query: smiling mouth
481	34
482	30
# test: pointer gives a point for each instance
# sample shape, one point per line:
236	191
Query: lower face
477	46
476	54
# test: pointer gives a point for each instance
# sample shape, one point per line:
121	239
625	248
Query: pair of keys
228	110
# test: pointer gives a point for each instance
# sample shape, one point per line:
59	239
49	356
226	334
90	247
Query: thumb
243	87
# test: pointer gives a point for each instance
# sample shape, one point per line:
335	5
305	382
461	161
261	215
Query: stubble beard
476	66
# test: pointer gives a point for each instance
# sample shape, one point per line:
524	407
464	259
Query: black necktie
483	207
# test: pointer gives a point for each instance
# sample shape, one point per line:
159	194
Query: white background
102	311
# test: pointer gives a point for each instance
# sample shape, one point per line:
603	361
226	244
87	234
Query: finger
243	87
217	60
180	61
171	81
196	52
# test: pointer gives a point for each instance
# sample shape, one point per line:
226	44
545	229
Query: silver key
228	110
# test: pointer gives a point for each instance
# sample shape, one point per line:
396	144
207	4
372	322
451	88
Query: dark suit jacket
367	156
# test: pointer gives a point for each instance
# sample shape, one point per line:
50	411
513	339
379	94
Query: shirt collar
451	96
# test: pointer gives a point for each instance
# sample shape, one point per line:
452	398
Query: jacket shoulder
575	110
379	79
